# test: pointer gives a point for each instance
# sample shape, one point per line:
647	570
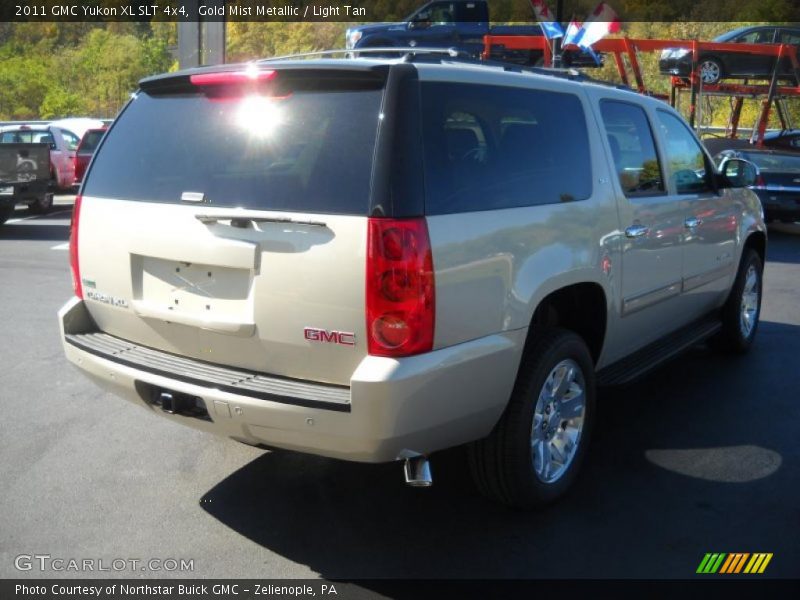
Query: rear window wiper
238	220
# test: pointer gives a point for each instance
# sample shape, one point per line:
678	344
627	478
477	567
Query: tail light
400	287
248	76
760	183
73	249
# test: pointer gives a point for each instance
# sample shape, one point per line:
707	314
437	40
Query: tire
5	213
503	465
739	330
711	70
42	205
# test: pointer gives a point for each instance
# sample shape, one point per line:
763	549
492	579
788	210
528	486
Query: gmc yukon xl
375	259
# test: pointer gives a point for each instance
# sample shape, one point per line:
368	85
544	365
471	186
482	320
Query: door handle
636	231
692	222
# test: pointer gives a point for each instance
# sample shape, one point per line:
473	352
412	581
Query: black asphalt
701	456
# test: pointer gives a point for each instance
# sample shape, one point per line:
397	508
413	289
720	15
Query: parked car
85	151
24	178
715	66
464	266
458	24
62	149
78	126
787	140
777	183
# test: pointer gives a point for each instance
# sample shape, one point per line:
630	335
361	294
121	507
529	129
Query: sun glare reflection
259	115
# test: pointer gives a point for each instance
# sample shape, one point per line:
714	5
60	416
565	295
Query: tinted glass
685	158
27	136
90	140
442	12
759	36
774	162
309	151
499	147
632	148
790	36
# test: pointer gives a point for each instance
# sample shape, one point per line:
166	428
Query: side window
442	12
790	36
488	148
759	36
685	158
632	148
71	139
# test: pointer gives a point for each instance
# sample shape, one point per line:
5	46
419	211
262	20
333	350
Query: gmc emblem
343	338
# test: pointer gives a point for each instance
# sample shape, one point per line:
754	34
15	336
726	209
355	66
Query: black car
719	65
786	139
777	183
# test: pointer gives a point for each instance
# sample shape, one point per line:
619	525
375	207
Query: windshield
774	162
308	151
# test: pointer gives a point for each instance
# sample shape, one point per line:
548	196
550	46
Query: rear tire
535	451
711	70
743	308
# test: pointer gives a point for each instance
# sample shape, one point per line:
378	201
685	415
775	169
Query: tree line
51	70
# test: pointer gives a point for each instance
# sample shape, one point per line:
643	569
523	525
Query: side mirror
737	173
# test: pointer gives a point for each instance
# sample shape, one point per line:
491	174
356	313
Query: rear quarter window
489	147
310	151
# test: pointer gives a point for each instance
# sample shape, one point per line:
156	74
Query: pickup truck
62	145
458	24
24	178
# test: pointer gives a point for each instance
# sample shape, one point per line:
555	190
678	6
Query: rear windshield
774	162
310	151
90	140
26	136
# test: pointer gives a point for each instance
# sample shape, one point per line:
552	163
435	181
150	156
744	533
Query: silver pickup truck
376	259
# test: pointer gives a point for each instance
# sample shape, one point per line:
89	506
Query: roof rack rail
349	52
424	54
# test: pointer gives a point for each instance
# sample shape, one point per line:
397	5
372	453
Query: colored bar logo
734	563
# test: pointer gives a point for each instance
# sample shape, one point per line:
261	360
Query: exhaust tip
417	472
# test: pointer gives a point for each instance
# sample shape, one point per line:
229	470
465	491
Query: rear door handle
636	231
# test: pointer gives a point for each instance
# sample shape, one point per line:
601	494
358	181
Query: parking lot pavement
701	456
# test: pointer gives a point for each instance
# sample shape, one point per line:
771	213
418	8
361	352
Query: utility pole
557	41
201	42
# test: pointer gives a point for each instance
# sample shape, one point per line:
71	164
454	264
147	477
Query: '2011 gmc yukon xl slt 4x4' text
377	259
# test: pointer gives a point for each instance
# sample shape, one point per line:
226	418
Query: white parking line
11	221
47	216
64	246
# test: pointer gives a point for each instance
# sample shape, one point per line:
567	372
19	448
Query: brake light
232	77
73	249
400	287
